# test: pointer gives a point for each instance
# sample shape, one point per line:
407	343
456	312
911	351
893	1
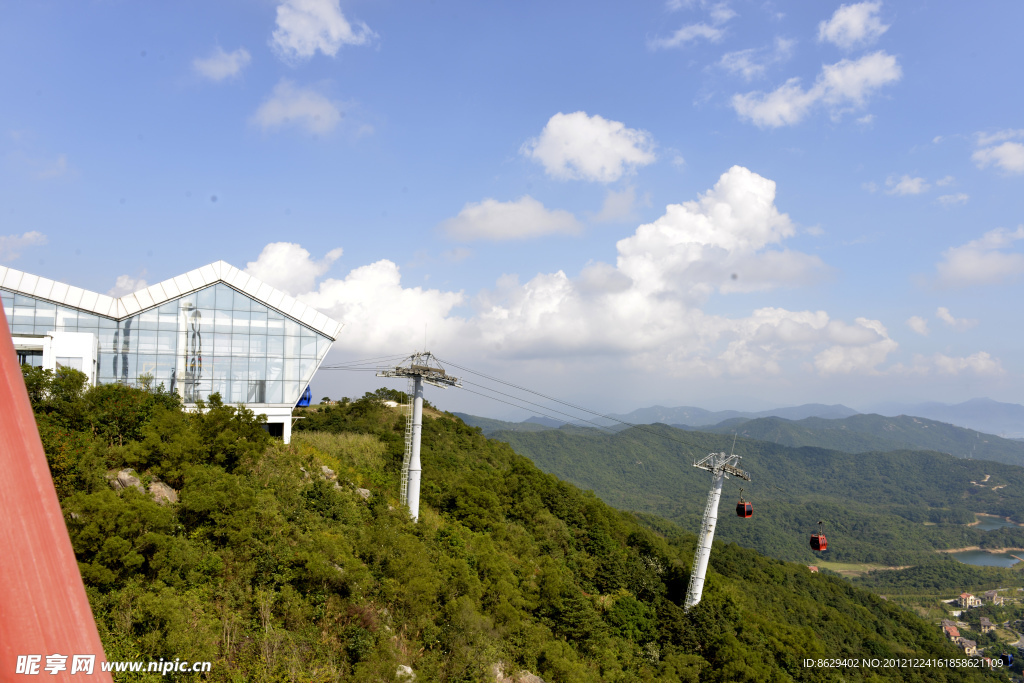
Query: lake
980	558
991	523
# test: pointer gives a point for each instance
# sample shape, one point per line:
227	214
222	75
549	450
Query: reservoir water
991	523
980	558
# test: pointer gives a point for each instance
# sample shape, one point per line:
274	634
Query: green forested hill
888	508
294	563
864	433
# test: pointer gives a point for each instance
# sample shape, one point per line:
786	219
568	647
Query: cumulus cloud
980	363
126	284
954	199
985	261
861	348
754	62
580	147
645	309
906	185
839	87
918	324
698	246
306	26
290	105
289	267
853	25
11	246
221	65
945	180
380	314
958	324
1008	156
494	220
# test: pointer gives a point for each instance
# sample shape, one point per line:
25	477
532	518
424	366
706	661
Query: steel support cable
537	393
574	417
543	414
644	428
364	361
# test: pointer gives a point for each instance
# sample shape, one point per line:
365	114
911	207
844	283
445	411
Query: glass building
214	329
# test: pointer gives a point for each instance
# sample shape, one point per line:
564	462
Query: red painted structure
43	606
818	540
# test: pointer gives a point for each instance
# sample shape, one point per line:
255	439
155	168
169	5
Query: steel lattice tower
721	466
419	368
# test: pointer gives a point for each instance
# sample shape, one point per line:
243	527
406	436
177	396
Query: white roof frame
168	290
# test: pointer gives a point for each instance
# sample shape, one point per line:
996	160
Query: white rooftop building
212	330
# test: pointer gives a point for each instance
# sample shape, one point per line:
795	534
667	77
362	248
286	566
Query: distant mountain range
866	433
697	417
982	414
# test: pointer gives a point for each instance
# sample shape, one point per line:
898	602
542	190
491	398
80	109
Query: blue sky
559	193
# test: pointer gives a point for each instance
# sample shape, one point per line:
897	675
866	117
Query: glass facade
216	339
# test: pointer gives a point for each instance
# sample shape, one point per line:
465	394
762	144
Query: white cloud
958	324
918	324
985	261
698	246
494	220
980	363
719	14
644	310
126	284
866	120
221	65
581	147
862	348
906	185
11	246
853	25
618	206
305	26
841	86
688	34
986	139
381	315
954	199
754	62
1008	156
290	105
946	180
288	267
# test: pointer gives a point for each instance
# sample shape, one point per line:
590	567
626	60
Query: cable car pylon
721	467
418	368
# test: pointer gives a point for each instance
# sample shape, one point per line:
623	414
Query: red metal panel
43	606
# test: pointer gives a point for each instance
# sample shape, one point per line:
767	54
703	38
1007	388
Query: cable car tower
418	368
721	466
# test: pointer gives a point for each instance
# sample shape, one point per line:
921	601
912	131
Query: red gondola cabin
743	508
818	540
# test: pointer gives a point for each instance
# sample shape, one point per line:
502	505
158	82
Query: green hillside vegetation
864	433
277	569
892	509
